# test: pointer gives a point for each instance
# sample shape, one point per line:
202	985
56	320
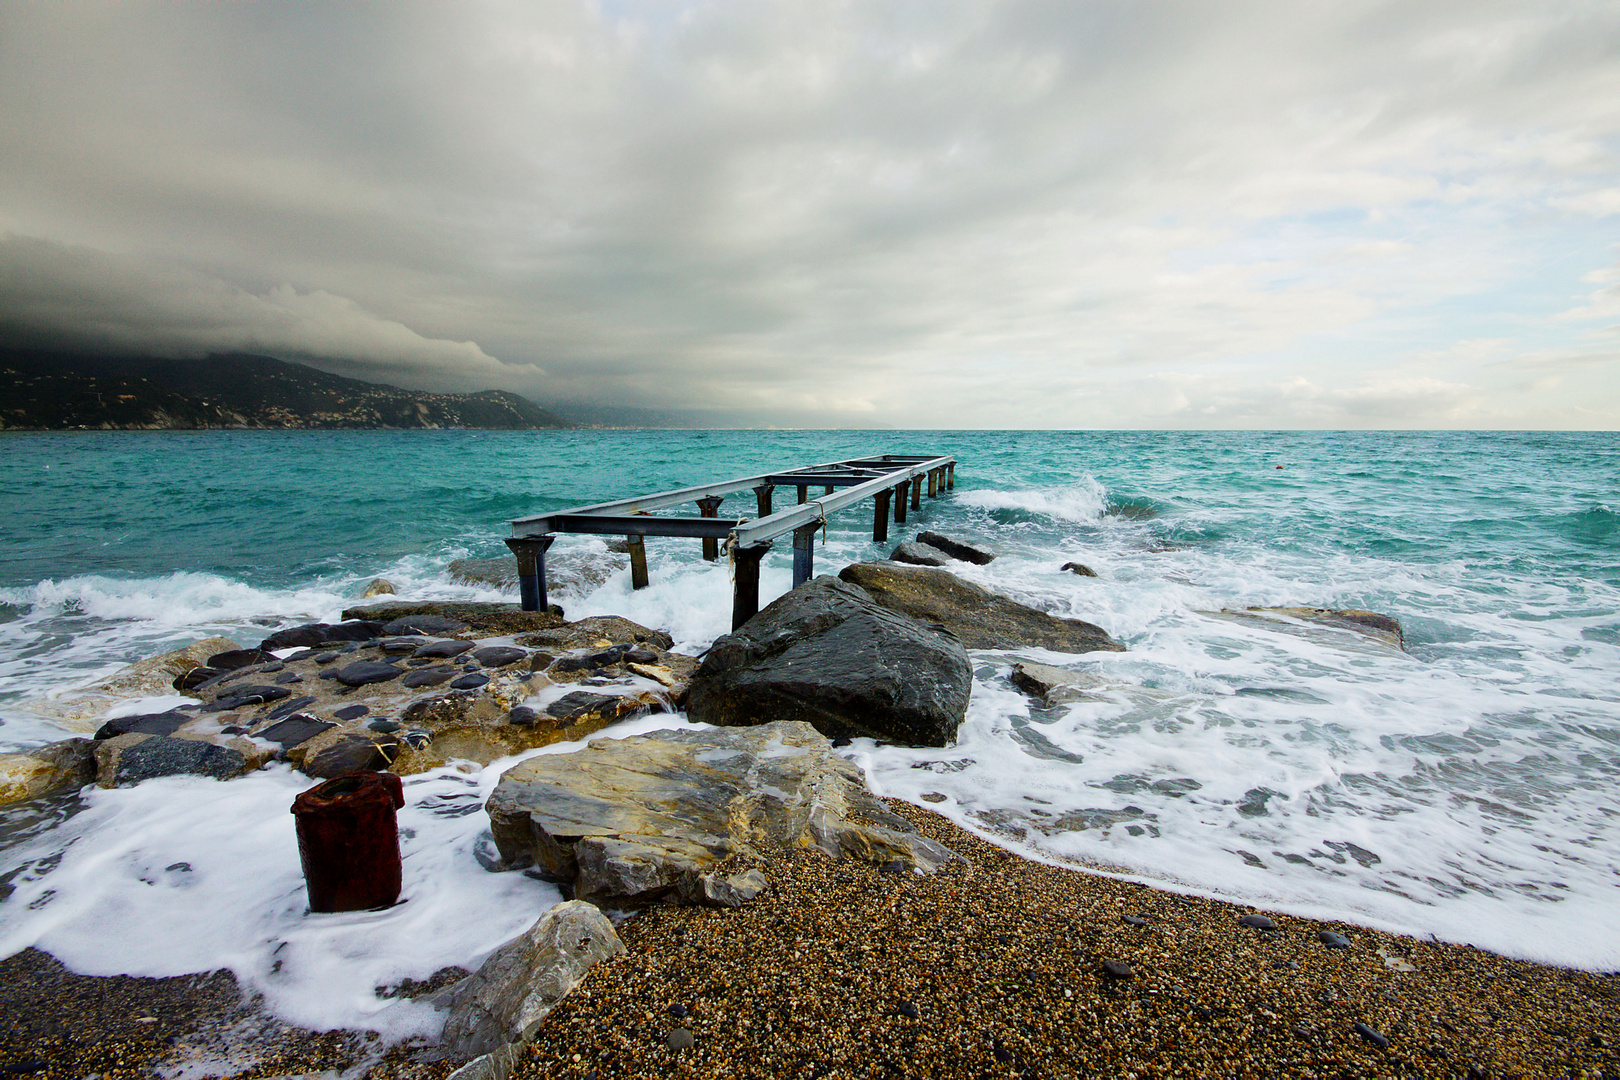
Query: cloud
956	213
76	297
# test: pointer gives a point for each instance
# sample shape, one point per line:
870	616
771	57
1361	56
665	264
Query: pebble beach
995	966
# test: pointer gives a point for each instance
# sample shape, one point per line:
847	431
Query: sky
890	213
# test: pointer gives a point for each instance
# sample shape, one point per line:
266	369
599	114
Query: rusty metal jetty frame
889	478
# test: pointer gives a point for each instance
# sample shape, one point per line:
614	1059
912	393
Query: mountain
56	391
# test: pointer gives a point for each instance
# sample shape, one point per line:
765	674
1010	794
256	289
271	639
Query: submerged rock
504	1001
919	555
957	549
1052	685
673	815
152	677
378	587
980	618
1370	625
827	655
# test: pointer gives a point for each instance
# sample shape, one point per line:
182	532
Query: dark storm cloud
947	213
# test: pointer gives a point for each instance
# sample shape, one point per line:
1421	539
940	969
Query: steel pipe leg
763	492
745	587
900	502
880	516
916	493
804	493
804	557
531	561
709	506
950	476
638	561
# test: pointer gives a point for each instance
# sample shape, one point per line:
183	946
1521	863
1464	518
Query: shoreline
1001	959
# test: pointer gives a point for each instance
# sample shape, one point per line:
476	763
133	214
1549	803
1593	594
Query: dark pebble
523	716
364	672
384	725
893	866
471	681
416	738
499	655
909	1010
1117	969
351	712
469	668
325	657
679	1011
679	1039
427	677
329	673
419	661
443	650
1370	1035
288	678
1134	920
1333	939
1259	922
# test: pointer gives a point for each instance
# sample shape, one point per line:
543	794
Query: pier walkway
889	480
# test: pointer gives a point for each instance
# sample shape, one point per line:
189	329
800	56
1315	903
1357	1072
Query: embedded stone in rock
164	723
437	625
362	672
957	549
470	681
287	708
240	696
399	646
981	618
294	730
311	635
919	554
1079	569
499	655
443	650
826	654
431	676
351	712
197	676
523	716
235	659
523	980
162	755
583	705
649	818
596	632
351	753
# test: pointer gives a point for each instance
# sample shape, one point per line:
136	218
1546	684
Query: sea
1464	787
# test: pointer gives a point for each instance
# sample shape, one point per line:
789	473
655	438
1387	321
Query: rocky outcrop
152	677
684	816
825	654
1052	685
957	549
980	618
59	766
487	618
378	587
1079	569
494	1013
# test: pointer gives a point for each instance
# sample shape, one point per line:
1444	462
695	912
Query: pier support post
880	516
638	561
709	506
933	483
763	493
900	501
745	586
804	559
828	489
531	561
916	493
804	494
950	476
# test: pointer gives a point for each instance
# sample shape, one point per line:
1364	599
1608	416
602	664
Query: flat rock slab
362	672
294	730
826	654
1305	621
981	618
632	821
1052	685
919	555
162	755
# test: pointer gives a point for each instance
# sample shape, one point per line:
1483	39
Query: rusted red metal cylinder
348	841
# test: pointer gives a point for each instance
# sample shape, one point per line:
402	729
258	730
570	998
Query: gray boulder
919	555
162	755
500	1006
981	618
679	815
957	549
827	655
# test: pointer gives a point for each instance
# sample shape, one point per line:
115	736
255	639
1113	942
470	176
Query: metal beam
637	525
768	528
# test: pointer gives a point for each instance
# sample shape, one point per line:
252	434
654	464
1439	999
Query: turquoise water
1466	787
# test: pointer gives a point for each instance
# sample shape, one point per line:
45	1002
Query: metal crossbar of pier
889	480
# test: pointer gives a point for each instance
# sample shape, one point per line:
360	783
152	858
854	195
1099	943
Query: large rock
491	618
981	618
1051	685
503	1002
827	655
163	755
1380	628
70	763
633	821
919	554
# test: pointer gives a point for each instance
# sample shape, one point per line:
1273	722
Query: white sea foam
182	874
1085	501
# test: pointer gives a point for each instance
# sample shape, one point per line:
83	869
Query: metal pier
889	480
